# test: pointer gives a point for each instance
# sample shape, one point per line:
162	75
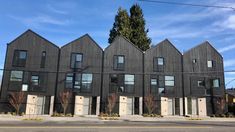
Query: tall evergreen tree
121	25
138	33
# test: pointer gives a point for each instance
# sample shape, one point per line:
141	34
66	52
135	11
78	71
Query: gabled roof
83	36
30	31
205	43
122	37
162	42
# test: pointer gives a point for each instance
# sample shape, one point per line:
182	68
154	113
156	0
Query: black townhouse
203	80
30	66
163	78
80	69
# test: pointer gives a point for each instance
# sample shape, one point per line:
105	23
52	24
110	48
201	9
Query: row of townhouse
188	84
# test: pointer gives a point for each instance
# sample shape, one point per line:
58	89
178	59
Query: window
153	85
35	80
69	80
76	60
19	58
43	59
169	80
194	61
86	82
77	82
210	64
129	83
16	76
158	64
160	61
161	90
216	83
119	61
200	83
24	87
116	83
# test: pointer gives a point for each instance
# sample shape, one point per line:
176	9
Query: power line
188	4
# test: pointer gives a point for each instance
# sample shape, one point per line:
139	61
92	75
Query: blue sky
63	21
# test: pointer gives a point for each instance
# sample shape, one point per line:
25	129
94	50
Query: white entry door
40	105
170	106
130	105
194	106
86	106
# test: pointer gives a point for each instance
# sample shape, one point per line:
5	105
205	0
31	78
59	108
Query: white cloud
227	48
37	21
228	63
55	10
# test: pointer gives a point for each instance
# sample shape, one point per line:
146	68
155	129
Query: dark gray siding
91	63
34	45
199	71
133	65
172	67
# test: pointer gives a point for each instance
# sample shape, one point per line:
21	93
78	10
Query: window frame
38	80
212	65
156	66
71	60
165	80
43	59
16	78
217	82
125	85
202	81
117	67
16	61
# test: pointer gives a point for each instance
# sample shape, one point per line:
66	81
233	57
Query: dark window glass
153	85
161	90
216	83
76	60
19	58
77	82
43	59
86	82
119	62
69	80
129	83
200	83
158	64
16	76
35	80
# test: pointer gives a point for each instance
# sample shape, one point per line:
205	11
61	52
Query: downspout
101	87
143	82
56	84
182	81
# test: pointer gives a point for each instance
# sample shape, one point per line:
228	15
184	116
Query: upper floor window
194	61
35	80
119	62
86	82
158	63
200	83
82	82
16	76
216	83
153	85
129	83
210	64
19	58
169	80
76	60
69	80
43	59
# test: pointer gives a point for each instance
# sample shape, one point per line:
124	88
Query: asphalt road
118	126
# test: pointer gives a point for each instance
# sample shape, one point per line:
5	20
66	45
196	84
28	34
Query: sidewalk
133	118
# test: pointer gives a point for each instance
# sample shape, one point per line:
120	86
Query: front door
170	106
86	105
129	106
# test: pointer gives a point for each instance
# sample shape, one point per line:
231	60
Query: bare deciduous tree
16	99
111	102
64	99
149	102
221	104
